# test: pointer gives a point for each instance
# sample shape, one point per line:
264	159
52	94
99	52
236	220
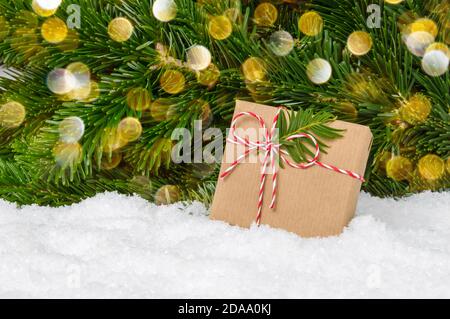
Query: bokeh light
172	81
167	194
45	8
111	162
71	129
162	109
265	14
399	168
54	30
130	129
416	109
220	27
435	62
281	43
198	57
254	69
310	23
61	81
359	43
319	71
164	10
209	76
112	140
12	114
67	154
139	99
120	29
431	167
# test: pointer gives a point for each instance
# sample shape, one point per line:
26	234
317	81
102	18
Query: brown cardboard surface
310	202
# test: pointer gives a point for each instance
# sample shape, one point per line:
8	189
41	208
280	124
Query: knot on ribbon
270	150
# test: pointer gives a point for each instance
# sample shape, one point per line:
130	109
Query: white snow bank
118	246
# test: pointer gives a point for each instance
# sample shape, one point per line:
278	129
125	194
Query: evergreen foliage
368	89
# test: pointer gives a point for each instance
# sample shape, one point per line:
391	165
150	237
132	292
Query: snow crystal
114	246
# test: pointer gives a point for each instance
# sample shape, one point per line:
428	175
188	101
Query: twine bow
271	149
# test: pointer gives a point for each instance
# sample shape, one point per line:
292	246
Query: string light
71	129
198	57
319	71
130	129
220	27
120	29
61	81
172	81
310	23
45	8
54	30
67	154
399	168
265	14
416	109
12	114
281	43
138	99
254	69
359	43
431	167
164	10
167	194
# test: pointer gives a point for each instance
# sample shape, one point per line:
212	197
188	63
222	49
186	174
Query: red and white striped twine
270	150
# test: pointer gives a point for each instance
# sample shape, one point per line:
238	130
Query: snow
114	246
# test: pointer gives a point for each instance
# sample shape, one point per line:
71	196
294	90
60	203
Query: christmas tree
92	90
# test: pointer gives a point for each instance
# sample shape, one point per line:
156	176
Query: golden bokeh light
431	167
254	69
424	25
54	30
112	140
234	14
220	27
120	29
265	14
111	162
71	42
94	93
399	168
172	81
167	194
67	154
130	129
209	76
81	72
359	43
310	23
139	99
393	1
12	114
416	109
162	109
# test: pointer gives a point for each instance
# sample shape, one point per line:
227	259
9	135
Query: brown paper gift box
310	202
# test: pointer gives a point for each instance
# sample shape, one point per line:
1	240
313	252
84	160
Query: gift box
317	198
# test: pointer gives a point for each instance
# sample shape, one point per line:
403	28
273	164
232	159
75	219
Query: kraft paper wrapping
310	202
